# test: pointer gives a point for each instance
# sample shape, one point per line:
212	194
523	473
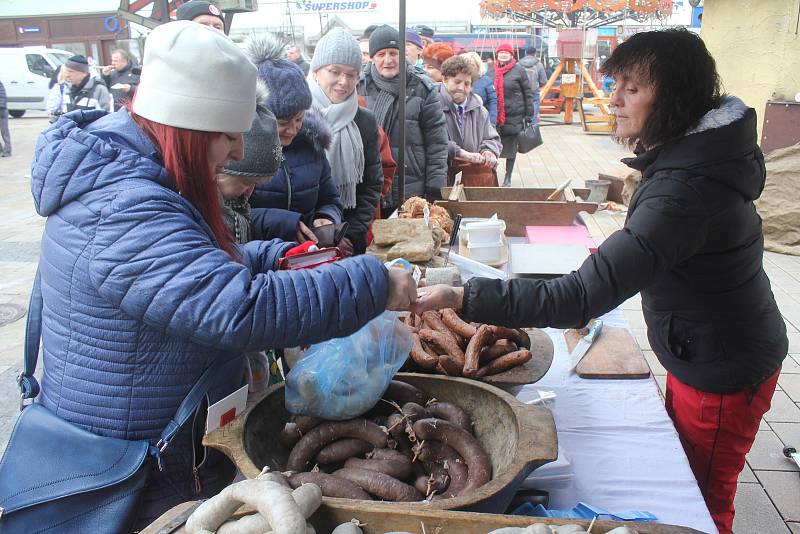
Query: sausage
330	485
296	427
438	480
380	484
414	411
451	319
479	469
449	412
421	356
517	335
434	322
310	444
501	347
483	337
402	392
505	362
396	424
442	344
449	366
401	470
387	454
341	450
431	451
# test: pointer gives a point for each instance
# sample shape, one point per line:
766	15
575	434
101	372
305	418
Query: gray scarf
346	153
389	91
236	213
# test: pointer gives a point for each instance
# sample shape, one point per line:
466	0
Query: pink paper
561	235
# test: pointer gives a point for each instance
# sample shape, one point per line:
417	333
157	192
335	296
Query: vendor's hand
321	222
304	233
472	157
402	290
346	246
438	297
489	159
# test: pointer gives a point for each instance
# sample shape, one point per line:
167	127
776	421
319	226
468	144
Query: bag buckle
22	403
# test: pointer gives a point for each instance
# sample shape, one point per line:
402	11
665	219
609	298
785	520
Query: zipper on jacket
198	488
201	410
288	185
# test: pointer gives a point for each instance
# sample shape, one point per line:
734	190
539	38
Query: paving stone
783	409
784	490
788	434
655	366
635	318
767	453
790	365
794	527
662	383
747	475
790	383
755	513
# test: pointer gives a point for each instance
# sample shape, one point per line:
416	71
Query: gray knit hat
337	47
383	37
262	148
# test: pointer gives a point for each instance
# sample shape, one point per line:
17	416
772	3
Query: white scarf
346	153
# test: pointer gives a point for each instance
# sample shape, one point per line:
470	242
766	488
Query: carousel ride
571	85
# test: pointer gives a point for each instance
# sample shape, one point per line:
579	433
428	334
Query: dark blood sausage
414	411
401	393
380	484
517	335
296	427
434	322
341	450
387	454
436	451
483	337
501	347
442	344
310	444
421	357
330	485
449	412
401	470
504	363
451	319
396	424
479	468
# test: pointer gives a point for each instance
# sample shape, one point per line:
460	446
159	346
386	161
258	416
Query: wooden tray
614	355
379	518
519	214
517	437
526	194
542	349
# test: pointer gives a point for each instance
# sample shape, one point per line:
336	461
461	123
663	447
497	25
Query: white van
25	73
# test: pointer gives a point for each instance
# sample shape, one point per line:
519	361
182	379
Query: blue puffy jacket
484	88
309	192
139	299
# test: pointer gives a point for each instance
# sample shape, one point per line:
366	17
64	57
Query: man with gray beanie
86	92
426	130
354	154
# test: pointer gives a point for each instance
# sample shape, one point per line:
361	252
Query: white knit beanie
195	77
337	47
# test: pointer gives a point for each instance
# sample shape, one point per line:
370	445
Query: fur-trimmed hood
315	133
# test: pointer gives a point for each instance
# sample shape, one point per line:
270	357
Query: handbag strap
29	386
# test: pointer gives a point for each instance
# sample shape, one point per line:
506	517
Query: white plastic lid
497	244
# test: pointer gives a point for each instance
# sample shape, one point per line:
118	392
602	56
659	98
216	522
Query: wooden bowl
517	437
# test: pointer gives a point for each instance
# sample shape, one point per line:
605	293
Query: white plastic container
487	232
486	252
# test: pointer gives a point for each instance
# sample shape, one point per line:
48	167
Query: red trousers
717	431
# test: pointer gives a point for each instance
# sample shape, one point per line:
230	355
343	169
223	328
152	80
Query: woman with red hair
142	284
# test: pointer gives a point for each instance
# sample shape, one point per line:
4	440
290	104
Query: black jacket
693	245
125	75
426	136
368	192
518	97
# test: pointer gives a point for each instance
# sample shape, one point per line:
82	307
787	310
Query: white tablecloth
621	447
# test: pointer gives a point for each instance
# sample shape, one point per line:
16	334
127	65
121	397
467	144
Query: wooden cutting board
615	354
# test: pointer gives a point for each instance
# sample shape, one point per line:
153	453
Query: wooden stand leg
569	103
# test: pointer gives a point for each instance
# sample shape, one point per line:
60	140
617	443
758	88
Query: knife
453	238
584	344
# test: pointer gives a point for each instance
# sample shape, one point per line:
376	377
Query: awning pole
401	149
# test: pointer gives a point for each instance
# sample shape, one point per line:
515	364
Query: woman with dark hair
692	245
142	284
514	104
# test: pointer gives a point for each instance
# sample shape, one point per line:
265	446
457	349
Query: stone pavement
768	501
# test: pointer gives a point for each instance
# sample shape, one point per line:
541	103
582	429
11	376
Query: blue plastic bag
344	377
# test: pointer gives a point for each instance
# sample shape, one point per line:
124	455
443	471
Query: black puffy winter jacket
693	245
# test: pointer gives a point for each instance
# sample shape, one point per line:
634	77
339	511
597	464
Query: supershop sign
336	7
